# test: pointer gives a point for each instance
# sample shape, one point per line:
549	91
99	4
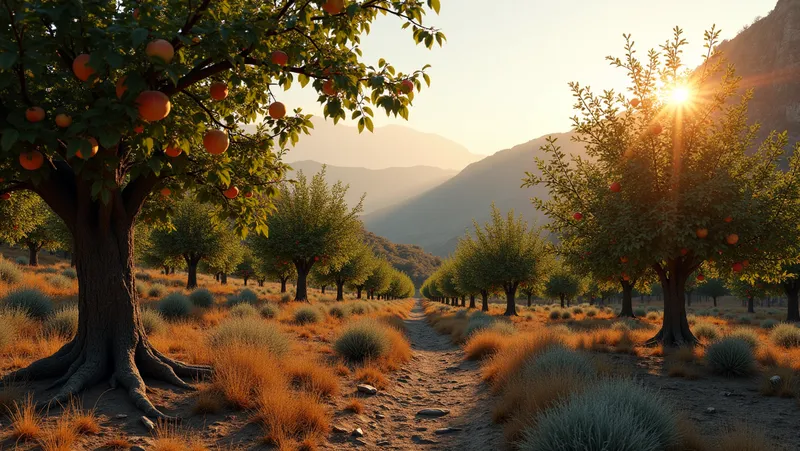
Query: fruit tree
103	104
691	189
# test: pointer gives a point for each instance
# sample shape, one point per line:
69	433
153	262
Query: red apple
578	216
218	90
277	110
702	233
160	48
153	105
635	102
732	239
34	114
615	187
280	58
737	267
701	277
63	120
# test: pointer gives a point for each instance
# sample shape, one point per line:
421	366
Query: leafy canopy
229	42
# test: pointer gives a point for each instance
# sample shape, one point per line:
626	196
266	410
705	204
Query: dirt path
437	377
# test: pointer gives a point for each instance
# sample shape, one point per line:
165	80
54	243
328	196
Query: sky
501	77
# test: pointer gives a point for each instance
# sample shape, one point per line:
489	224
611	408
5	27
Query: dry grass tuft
399	351
169	438
691	439
118	442
499	369
354	405
679	368
26	424
62	436
292	419
241	373
208	400
311	377
341	370
370	374
485	343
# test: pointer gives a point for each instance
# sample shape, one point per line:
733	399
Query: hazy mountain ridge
435	218
390	146
384	187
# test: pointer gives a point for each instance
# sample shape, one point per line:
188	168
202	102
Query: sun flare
680	95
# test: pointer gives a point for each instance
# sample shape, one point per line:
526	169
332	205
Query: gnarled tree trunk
472	301
792	288
675	329
223	278
511	299
750	308
191	270
562	296
485	301
33	253
283	284
110	345
303	267
340	290
627	300
358	292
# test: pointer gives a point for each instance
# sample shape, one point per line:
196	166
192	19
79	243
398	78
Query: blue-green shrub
63	322
269	310
248	295
58	281
243	310
744	333
32	301
731	357
175	306
201	297
366	339
156	290
337	311
306	315
616	415
22	261
556	360
70	272
706	331
768	323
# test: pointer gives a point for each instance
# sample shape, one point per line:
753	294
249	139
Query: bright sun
679	95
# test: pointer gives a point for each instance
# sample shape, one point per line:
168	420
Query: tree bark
750	308
511	299
191	271
340	290
485	301
529	300
283	284
301	289
110	344
463	301
472	301
627	300
561	296
715	301
358	292
323	289
675	331
223	278
792	289
245	280
33	254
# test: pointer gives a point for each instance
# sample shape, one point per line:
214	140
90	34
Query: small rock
357	432
120	416
148	424
420	429
422	440
775	380
433	412
402	380
380	416
383	443
368	389
726	393
359	442
447	430
339	430
710	410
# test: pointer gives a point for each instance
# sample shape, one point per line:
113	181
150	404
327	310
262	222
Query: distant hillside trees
408	258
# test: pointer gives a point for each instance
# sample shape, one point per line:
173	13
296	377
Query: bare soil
437	377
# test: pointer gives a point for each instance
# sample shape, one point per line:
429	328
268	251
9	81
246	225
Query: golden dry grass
26	424
485	343
354	405
501	367
372	375
62	436
118	442
241	373
290	419
788	387
311	377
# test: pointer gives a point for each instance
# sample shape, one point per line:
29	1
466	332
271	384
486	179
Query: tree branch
136	192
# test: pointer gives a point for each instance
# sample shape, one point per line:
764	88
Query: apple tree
713	288
354	269
671	179
103	103
562	285
379	280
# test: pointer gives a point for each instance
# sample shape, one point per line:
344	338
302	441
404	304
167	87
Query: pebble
339	430
357	432
383	443
421	440
433	412
368	389
447	430
775	380
120	416
380	416
710	410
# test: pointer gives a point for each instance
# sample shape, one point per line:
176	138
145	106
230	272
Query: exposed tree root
673	338
78	368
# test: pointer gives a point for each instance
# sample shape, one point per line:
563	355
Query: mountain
410	259
436	218
767	57
387	147
384	187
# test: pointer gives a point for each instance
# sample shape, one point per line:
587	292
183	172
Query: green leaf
138	36
156	165
10	136
434	4
7	60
